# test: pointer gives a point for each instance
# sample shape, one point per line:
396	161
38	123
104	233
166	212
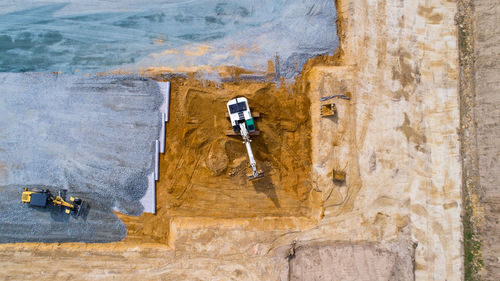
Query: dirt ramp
204	171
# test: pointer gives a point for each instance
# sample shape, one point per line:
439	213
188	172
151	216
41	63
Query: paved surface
487	110
91	135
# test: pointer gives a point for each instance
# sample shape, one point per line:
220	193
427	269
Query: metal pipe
167	105
153	208
157	158
162	136
149	199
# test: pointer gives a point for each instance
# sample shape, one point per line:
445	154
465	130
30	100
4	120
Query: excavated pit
203	173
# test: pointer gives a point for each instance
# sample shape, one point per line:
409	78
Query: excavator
242	122
41	197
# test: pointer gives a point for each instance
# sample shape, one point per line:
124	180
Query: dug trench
203	172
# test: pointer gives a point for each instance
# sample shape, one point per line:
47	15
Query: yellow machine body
26	196
45	198
58	201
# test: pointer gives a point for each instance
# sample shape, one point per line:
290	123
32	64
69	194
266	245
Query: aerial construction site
249	140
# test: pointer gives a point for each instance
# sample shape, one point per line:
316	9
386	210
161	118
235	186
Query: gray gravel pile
93	136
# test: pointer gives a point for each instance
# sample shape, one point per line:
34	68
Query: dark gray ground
91	135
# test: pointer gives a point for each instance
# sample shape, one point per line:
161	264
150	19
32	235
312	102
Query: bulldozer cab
37	198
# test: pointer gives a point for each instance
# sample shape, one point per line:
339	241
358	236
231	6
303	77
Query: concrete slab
164	109
149	199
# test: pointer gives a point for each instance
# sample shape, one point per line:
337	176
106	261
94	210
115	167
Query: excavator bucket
78	205
257	176
81	208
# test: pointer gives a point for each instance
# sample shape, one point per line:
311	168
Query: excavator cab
239	112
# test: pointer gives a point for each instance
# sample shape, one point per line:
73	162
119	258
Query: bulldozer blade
256	177
80	208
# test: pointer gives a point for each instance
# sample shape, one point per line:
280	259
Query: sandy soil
208	177
396	140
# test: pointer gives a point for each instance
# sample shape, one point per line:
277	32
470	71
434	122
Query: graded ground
395	216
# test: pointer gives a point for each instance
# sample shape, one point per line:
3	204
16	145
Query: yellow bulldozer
41	197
